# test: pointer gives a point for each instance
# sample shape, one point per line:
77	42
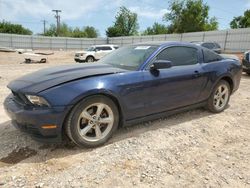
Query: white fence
235	40
40	42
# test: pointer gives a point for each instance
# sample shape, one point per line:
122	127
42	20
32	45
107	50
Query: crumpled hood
49	77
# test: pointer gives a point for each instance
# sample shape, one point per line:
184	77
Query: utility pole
44	26
57	16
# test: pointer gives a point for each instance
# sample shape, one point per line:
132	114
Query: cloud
37	9
247	4
148	12
71	10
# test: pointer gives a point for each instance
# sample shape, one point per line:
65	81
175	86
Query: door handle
197	74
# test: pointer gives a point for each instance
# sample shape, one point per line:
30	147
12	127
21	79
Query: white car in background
94	53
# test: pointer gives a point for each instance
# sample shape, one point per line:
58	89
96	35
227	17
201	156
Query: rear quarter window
216	45
210	56
208	45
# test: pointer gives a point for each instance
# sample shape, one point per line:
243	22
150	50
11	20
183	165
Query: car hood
81	52
50	77
84	52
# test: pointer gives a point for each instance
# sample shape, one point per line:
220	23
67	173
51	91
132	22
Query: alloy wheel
95	122
221	97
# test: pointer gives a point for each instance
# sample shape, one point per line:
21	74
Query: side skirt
163	114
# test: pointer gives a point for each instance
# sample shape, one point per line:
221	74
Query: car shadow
165	122
31	148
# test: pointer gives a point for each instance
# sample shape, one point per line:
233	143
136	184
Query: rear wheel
90	59
93	121
219	98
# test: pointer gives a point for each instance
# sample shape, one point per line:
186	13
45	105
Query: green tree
126	24
113	32
241	21
156	29
66	31
90	31
189	16
78	33
51	31
7	27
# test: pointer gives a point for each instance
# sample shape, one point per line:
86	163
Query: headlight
36	100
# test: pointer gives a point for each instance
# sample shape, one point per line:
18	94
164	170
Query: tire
92	121
248	73
90	59
220	97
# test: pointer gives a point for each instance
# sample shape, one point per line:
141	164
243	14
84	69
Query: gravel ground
191	149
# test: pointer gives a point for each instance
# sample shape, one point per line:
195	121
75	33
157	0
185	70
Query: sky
101	13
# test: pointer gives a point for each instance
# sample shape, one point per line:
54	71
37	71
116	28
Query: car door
99	52
106	50
177	86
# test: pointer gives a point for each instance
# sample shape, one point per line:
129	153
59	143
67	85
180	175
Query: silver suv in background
214	46
94	53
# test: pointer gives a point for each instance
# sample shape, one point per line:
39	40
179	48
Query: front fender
69	94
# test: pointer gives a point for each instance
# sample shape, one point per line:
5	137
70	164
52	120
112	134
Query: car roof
166	43
101	45
202	42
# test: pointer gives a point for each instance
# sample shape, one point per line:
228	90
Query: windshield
129	58
92	48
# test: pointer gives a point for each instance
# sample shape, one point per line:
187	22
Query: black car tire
90	59
72	122
210	104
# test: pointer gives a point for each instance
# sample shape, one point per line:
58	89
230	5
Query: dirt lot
191	149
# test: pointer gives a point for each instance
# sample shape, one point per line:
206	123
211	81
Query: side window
179	55
100	48
106	48
208	45
210	56
217	45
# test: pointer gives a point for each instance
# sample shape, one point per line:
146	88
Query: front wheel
90	59
93	121
219	98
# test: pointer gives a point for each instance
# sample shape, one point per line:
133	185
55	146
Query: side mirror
161	64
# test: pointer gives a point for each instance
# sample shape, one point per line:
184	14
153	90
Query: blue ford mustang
136	83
